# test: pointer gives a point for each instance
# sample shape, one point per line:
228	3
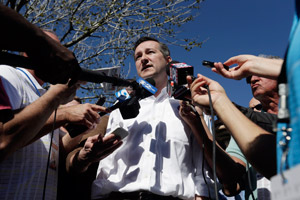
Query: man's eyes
137	57
148	52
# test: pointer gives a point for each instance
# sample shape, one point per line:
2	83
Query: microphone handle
16	60
99	77
85	75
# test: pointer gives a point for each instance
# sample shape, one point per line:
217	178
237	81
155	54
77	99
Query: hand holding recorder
247	65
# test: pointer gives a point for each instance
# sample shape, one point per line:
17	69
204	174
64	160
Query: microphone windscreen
169	66
179	71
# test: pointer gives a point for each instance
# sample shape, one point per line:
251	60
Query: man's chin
146	75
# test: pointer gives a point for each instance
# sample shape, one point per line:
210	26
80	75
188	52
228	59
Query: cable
203	174
249	180
214	150
214	142
49	155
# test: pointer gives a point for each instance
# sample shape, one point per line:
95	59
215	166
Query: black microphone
85	74
128	108
16	60
99	77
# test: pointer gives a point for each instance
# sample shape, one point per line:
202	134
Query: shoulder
13	84
4	100
7	70
9	74
234	150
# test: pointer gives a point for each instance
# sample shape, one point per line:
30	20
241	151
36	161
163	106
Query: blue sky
233	27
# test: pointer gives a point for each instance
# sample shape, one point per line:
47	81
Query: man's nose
254	79
144	60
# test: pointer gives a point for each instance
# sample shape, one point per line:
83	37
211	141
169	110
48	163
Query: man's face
261	86
149	60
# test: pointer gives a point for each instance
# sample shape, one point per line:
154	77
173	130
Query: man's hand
83	114
199	92
248	65
63	93
95	149
187	113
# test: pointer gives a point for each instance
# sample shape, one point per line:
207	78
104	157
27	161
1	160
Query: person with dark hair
160	158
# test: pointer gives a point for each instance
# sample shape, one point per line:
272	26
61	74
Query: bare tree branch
102	33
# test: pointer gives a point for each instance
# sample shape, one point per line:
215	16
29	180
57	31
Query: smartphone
211	64
120	132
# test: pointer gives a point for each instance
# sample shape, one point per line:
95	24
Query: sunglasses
257	107
248	79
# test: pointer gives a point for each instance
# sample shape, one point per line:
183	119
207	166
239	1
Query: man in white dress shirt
160	158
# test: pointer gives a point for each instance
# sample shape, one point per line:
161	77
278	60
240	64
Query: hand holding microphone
127	104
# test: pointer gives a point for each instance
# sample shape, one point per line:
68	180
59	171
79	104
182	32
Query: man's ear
168	59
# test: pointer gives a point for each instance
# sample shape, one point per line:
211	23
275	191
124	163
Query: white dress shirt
160	154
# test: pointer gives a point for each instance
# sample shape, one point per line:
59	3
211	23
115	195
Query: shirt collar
162	95
37	85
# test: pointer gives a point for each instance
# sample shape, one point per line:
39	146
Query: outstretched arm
82	114
95	149
247	65
24	126
231	175
251	139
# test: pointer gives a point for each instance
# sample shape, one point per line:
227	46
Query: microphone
128	105
142	89
122	95
85	74
99	77
178	72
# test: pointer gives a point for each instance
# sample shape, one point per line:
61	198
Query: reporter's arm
231	175
82	114
251	139
201	198
258	145
18	131
95	149
249	65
